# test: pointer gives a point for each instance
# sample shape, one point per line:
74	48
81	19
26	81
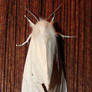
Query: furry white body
39	60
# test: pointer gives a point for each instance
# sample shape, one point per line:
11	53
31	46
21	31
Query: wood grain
73	18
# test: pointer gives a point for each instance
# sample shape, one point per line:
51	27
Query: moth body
38	69
39	60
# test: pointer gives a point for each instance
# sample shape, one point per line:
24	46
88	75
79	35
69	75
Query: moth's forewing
58	67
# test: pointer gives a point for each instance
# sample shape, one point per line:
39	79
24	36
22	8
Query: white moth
39	61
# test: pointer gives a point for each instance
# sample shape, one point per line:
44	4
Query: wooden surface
73	18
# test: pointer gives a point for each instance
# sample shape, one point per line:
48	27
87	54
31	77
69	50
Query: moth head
42	24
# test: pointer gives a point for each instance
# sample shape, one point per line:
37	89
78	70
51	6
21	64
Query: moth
38	70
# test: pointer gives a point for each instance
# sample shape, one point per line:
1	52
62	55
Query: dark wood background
73	18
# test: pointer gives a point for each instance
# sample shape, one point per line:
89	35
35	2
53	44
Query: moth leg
53	17
25	41
65	36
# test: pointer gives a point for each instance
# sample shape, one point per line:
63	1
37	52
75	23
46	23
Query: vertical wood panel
74	18
3	26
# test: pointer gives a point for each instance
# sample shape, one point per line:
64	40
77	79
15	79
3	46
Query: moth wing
38	65
58	79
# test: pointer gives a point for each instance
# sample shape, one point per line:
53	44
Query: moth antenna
31	14
54	11
65	36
